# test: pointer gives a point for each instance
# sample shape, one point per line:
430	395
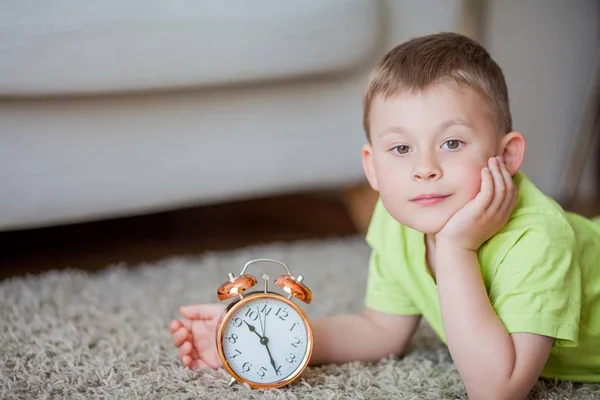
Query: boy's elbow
497	395
391	333
498	390
488	393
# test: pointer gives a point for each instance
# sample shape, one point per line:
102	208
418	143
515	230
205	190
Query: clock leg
231	382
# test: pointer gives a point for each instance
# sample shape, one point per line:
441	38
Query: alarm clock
264	339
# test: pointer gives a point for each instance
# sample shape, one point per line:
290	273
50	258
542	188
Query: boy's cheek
390	193
389	175
470	178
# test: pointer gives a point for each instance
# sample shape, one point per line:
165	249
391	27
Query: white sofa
117	108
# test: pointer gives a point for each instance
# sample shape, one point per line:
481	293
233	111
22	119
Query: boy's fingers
202	311
174	326
187	361
180	336
194	354
486	193
511	190
499	186
187	324
185	350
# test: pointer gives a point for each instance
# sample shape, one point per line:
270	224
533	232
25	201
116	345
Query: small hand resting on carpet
195	335
506	277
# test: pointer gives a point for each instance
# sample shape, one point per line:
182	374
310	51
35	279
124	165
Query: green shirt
541	273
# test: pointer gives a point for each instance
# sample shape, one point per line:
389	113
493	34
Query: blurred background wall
550	53
114	109
120	109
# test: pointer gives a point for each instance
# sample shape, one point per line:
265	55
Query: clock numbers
265	310
237	322
233	338
292	328
296	342
291	358
247	366
253	315
237	353
282	314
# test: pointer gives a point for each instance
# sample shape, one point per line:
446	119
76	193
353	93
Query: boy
506	278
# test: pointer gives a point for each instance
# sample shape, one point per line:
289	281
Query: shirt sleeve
537	286
384	292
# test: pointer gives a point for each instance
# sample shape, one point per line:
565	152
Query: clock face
266	339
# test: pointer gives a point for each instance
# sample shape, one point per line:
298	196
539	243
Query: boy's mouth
429	199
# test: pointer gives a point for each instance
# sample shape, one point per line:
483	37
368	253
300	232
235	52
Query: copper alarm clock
264	339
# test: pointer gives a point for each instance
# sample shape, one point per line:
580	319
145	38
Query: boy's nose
427	171
426	175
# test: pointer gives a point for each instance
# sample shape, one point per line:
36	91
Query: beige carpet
74	335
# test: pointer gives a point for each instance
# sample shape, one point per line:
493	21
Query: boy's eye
452	144
402	149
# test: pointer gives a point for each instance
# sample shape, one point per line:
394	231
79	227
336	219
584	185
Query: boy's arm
369	336
338	339
492	363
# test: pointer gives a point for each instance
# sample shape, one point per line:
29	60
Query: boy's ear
369	166
512	149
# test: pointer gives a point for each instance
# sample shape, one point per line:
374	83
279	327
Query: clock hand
263	340
264	327
260	321
253	329
270	356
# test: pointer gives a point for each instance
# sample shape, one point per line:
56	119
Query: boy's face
427	151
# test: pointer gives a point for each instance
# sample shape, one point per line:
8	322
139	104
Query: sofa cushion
57	47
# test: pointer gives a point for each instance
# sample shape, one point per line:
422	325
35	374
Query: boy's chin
428	227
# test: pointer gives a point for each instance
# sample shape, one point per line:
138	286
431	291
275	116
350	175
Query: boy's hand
195	335
486	214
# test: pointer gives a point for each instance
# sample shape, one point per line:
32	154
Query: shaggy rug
74	335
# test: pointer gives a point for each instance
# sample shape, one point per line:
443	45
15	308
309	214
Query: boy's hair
440	58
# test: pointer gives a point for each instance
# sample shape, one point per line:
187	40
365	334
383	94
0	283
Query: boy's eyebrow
391	129
441	127
454	121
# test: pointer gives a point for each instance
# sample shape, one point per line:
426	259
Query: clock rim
232	308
